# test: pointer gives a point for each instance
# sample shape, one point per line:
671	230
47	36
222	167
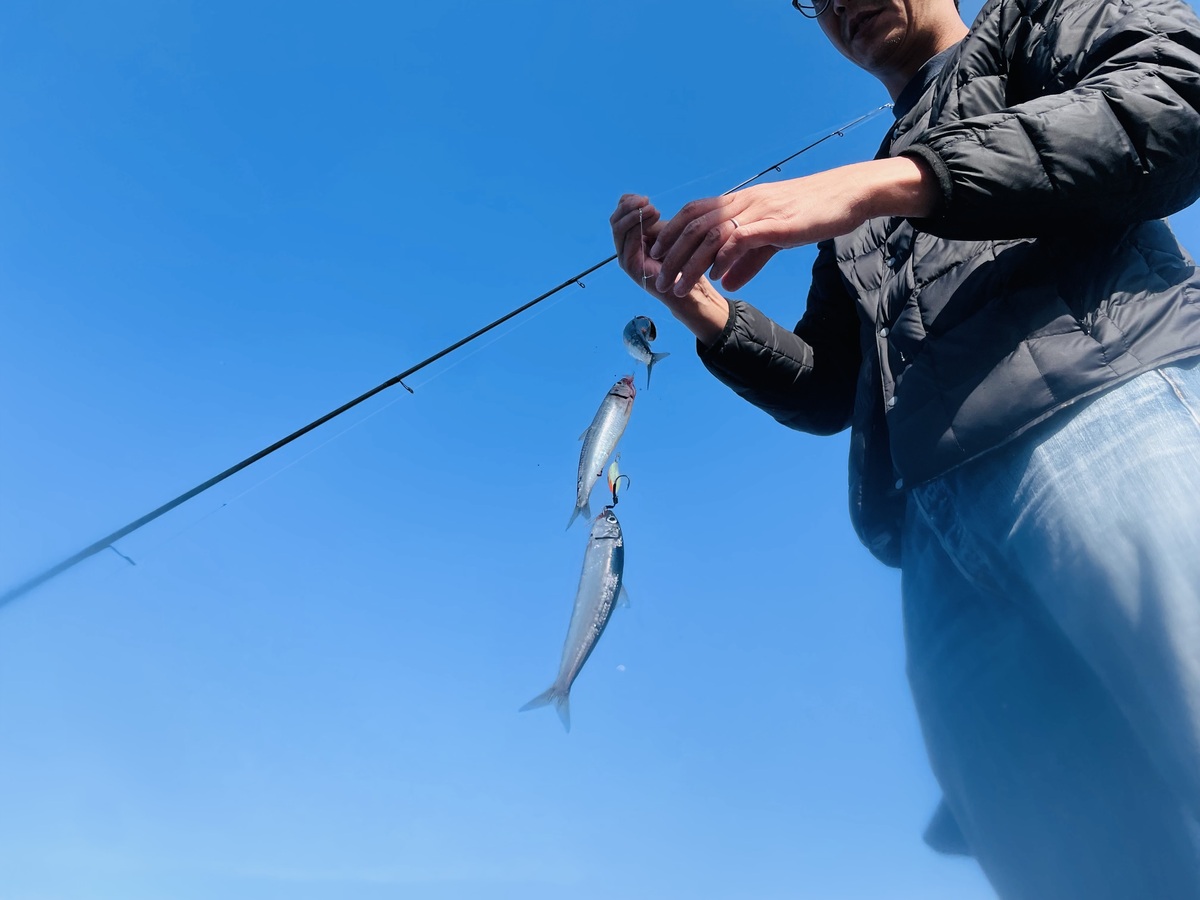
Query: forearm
900	186
800	385
1102	128
733	236
806	378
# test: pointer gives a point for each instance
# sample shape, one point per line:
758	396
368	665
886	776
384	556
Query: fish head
645	326
606	526
624	388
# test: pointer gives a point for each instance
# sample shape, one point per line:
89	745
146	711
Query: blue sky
223	220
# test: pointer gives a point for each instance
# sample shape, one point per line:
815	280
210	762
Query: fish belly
639	350
599	585
598	446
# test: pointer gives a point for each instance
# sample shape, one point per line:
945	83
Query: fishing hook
122	555
615	484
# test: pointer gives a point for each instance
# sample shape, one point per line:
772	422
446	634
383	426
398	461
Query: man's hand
635	225
734	236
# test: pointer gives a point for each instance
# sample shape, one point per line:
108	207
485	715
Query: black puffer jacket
1061	131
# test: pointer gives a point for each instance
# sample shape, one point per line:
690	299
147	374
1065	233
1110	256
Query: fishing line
642	246
108	540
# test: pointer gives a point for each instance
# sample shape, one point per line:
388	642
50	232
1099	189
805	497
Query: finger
632	208
640	223
645	216
675	227
744	239
637	207
625	204
746	267
621	229
715	239
693	251
623	219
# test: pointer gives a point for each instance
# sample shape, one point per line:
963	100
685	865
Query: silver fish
637	337
600	440
599	589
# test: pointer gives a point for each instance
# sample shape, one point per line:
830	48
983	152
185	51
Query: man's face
891	39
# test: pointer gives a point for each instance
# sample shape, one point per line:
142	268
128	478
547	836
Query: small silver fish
599	589
637	337
600	440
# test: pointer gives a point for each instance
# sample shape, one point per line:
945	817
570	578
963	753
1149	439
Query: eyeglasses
810	10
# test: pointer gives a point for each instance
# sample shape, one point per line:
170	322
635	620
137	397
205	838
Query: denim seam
950	554
1177	389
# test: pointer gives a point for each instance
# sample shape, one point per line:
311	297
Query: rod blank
110	539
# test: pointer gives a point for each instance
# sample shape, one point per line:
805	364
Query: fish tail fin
654	357
586	509
560	697
562	706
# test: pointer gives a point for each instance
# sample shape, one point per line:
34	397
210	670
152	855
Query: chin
882	55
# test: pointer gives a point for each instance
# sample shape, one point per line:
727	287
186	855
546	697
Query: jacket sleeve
805	378
1103	126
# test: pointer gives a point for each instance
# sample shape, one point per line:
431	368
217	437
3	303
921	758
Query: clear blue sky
221	221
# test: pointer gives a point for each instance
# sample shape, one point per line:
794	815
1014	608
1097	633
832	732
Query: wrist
704	311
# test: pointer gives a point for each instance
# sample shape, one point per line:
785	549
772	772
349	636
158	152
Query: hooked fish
637	337
600	440
599	590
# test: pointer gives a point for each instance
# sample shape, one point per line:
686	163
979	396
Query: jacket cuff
723	338
941	172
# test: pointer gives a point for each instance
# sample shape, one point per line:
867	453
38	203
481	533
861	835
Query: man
1012	332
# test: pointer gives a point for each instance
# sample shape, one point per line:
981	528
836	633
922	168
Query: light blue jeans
1052	623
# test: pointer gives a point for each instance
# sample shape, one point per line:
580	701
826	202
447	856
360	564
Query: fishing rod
109	540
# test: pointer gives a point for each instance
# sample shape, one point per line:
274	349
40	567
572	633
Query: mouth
856	22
